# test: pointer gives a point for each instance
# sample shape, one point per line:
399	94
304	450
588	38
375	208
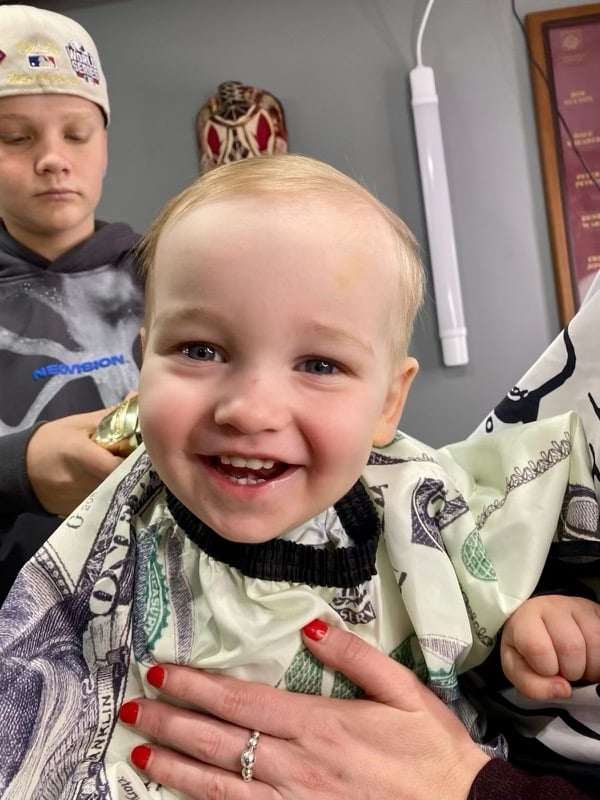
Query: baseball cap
42	52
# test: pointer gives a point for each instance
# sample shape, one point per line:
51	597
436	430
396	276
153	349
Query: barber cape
425	558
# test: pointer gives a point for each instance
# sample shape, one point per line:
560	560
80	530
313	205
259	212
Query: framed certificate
565	43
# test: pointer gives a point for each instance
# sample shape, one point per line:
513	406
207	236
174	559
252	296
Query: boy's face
267	372
52	163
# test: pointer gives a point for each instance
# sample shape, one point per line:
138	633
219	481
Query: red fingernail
315	630
140	755
156	676
128	712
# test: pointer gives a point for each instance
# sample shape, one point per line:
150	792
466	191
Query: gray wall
340	67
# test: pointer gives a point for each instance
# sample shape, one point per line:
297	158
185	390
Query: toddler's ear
400	384
143	340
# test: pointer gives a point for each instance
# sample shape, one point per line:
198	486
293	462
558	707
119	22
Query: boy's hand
549	642
64	465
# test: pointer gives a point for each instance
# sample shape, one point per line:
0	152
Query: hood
108	245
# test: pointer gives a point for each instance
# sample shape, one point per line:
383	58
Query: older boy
280	299
70	303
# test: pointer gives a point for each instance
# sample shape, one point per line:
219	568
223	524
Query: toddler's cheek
157	417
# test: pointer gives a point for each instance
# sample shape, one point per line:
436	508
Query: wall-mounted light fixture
438	211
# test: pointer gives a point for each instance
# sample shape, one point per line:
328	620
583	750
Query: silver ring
248	757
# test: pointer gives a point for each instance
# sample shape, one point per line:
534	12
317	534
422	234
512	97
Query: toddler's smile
248	471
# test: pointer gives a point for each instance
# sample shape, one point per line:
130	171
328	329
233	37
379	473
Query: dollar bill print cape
425	557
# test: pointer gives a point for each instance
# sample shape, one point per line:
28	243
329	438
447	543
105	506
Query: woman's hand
401	744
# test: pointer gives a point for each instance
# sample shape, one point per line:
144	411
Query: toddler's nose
253	406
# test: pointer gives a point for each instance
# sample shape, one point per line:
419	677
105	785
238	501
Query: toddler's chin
231	532
254	537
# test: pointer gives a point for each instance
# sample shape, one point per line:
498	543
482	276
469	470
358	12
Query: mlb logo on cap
41	61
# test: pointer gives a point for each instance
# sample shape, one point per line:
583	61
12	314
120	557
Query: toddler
273	488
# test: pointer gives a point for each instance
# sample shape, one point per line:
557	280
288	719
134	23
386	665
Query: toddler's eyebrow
189	314
340	335
202	314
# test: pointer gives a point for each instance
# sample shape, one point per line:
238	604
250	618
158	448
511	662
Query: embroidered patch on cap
83	63
38	44
41	61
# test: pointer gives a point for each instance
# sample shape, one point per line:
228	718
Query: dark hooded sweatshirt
68	344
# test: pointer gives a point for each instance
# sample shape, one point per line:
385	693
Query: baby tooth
248	463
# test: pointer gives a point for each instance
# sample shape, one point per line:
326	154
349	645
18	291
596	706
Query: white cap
42	52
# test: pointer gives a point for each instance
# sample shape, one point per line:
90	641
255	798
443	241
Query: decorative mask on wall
239	122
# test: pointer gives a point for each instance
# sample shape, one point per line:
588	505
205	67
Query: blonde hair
296	175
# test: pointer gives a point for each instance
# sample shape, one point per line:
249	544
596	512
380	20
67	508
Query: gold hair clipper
119	431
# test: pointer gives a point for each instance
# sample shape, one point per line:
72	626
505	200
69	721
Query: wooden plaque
565	43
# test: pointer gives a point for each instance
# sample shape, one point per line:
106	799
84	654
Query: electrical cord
421	32
552	99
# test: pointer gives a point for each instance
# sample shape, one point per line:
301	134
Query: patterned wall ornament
239	122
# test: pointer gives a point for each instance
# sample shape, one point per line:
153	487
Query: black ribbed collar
280	560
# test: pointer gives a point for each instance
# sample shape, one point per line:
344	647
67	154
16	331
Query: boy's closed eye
13	137
81	135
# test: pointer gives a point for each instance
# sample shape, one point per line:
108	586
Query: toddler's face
267	372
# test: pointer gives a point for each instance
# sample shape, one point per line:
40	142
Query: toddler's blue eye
319	366
201	352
